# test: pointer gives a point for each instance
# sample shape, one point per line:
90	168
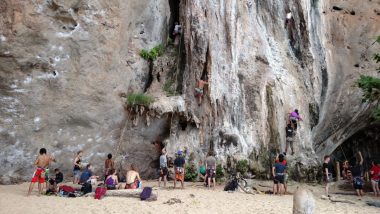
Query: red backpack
67	189
100	192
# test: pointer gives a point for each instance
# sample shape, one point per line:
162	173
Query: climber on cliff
289	25
199	90
177	33
289	138
294	117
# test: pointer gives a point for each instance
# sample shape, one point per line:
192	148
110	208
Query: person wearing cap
179	164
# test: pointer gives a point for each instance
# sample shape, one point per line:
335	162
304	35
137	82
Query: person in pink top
375	170
294	117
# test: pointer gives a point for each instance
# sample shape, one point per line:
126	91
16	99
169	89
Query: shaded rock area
67	68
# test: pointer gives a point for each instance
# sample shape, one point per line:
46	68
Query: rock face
67	66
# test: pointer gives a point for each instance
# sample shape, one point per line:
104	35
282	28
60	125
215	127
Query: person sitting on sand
278	172
133	178
52	188
108	165
163	168
179	164
112	180
88	176
58	176
202	173
42	163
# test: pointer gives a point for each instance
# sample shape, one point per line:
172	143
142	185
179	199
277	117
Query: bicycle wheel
242	183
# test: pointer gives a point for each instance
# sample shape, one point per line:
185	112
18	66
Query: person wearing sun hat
179	164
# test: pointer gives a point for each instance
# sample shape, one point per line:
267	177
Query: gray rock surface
66	66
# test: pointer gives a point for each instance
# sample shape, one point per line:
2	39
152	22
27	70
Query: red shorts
39	176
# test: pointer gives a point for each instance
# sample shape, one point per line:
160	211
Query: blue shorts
76	173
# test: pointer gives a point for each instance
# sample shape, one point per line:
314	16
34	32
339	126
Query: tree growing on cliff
371	86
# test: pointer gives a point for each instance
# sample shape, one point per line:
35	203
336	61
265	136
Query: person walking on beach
179	164
77	165
327	173
42	163
163	168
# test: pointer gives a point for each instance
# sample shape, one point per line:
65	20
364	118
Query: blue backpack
145	194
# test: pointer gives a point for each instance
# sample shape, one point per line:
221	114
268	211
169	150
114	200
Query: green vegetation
219	173
242	166
191	173
371	87
139	99
169	88
153	53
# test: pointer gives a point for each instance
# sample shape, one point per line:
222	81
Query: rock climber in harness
289	138
177	33
199	90
293	118
289	25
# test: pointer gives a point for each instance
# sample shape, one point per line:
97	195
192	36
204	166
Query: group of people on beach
84	173
352	172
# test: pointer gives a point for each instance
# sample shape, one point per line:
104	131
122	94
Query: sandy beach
194	199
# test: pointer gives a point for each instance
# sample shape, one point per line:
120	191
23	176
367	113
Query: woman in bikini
77	165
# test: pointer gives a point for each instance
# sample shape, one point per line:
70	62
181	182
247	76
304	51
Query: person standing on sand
286	176
163	168
356	171
278	172
108	165
375	170
179	164
77	166
211	169
42	163
327	173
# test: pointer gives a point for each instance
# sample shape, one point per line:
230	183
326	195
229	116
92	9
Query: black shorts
163	171
279	179
211	173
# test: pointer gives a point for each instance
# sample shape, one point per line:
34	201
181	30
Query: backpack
86	188
67	189
145	194
100	192
231	186
289	132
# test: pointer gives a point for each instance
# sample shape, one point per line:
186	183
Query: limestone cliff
66	67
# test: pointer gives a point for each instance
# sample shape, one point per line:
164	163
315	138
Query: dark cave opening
367	141
174	15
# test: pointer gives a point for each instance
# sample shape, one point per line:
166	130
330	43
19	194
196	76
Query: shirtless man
199	90
133	178
42	163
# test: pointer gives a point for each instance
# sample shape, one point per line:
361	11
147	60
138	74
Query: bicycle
237	181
